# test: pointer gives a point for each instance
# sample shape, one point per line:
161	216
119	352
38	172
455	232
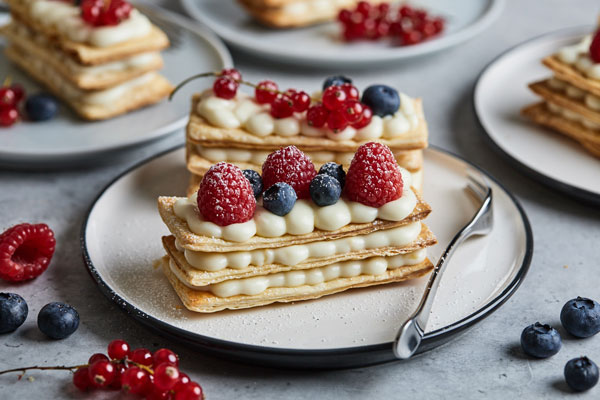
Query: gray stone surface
484	363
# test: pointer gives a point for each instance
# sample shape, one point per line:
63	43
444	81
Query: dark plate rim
219	345
564	187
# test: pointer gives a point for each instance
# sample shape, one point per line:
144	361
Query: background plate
319	45
499	95
67	139
121	239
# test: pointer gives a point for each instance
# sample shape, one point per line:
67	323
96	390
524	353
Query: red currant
118	379
232	73
334	97
183	379
438	23
266	92
156	394
282	107
225	88
344	16
8	97
352	111
91	10
317	115
406	11
165	356
365	119
301	101
19	92
351	91
8	116
337	121
166	376
118	349
364	8
141	356
420	14
383	9
428	29
189	391
101	373
81	379
135	380
411	37
97	357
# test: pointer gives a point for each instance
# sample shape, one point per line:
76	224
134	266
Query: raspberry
374	177
291	166
595	48
225	196
25	251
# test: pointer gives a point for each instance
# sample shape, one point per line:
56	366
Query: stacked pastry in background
100	57
243	129
571	97
296	13
234	246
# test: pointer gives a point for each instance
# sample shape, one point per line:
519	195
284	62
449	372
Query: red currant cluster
409	25
105	12
10	98
139	372
339	108
595	48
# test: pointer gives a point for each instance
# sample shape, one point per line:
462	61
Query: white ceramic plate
68	140
121	239
319	45
502	91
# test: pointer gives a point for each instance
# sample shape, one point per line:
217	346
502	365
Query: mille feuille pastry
229	125
296	13
100	57
306	236
571	97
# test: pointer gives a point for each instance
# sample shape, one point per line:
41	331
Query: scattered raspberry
374	177
225	196
595	48
291	166
25	251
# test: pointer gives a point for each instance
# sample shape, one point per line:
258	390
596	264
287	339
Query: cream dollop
303	219
243	112
578	55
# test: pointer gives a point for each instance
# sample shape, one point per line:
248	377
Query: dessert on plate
227	124
571	97
246	239
296	13
99	56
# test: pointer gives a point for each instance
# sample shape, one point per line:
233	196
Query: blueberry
581	374
325	190
279	199
581	317
255	181
335	170
41	107
382	99
58	320
336	80
540	341
13	312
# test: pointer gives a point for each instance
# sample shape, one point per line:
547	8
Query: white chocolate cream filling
578	55
66	19
317	7
572	116
293	255
314	276
303	219
243	112
591	101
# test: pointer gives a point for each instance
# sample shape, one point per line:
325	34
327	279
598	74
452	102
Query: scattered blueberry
41	107
325	190
581	374
335	170
336	80
255	181
382	99
581	317
58	320
540	341
279	199
13	312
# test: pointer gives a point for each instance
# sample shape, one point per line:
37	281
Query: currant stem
37	367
